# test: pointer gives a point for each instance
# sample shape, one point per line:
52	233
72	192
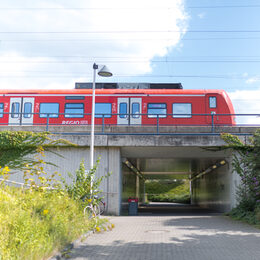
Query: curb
66	250
62	255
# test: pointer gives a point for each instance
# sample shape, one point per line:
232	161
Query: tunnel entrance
177	181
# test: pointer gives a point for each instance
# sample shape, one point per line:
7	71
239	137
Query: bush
246	164
35	223
251	217
43	218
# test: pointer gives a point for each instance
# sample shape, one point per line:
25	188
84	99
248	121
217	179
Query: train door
129	111
211	103
21	111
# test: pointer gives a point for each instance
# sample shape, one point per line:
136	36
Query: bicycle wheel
97	210
102	207
89	212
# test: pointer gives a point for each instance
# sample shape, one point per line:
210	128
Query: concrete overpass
175	150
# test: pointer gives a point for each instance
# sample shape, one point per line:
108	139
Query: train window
155	109
212	102
103	110
122	110
1	109
27	110
135	110
181	110
49	109
75	97
74	110
15	110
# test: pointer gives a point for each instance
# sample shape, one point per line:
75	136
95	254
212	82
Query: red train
137	104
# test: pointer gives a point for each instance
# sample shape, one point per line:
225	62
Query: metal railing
158	121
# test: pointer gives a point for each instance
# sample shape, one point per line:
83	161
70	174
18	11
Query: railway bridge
134	153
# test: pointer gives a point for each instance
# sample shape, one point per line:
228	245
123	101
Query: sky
203	44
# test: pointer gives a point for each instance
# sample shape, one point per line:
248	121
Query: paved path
190	237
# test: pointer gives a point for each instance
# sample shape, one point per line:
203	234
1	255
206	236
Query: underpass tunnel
166	184
155	180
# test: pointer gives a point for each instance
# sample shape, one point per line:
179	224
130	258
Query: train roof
112	91
114	85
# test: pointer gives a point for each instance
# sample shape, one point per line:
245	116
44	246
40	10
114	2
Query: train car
117	105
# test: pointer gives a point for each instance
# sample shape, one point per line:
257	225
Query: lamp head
105	72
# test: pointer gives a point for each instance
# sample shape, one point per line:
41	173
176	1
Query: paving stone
209	237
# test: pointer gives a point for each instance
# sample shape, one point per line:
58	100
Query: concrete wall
217	189
128	187
69	162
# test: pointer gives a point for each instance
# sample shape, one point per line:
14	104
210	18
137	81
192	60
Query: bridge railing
211	122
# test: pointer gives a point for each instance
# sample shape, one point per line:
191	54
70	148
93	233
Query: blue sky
203	44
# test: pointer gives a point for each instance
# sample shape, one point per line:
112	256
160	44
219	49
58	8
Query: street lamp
103	72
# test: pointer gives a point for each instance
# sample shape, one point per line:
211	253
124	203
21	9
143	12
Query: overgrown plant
34	223
246	162
38	220
18	147
85	183
24	151
36	177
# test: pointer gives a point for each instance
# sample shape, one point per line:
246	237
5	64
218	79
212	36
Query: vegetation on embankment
246	163
43	217
34	223
177	191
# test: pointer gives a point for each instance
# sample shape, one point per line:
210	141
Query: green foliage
34	223
246	163
15	147
43	218
251	217
85	182
162	191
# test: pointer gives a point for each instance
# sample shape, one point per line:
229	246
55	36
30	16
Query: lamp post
103	72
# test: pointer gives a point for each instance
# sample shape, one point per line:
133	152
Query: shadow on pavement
173	209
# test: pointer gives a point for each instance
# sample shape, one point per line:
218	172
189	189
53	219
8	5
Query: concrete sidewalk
209	237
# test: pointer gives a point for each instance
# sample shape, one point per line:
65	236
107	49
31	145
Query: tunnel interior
182	178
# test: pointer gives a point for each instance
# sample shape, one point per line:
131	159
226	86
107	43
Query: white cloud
253	80
201	15
246	102
161	24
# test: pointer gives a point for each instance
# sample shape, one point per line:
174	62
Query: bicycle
102	207
95	208
92	211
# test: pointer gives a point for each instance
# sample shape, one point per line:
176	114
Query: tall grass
34	223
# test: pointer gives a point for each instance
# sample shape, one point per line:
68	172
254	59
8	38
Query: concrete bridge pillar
114	181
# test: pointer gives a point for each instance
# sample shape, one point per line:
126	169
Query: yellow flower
98	229
6	168
45	212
